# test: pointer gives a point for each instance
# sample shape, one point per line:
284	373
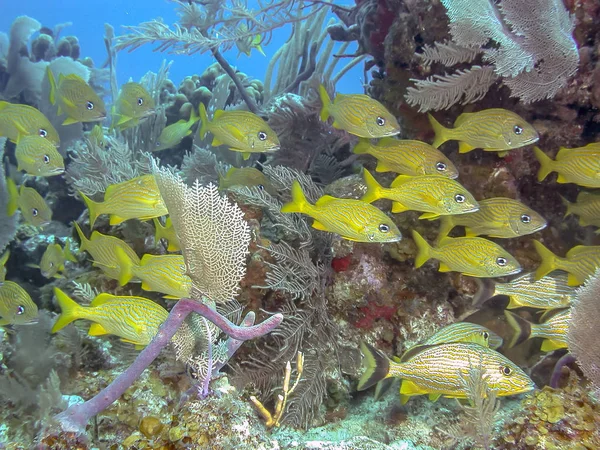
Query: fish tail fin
299	202
159	230
204	120
92	207
126	266
423	249
568	205
546	163
520	326
326	102
362	147
441	132
13	197
486	289
68	253
373	188
376	366
70	310
549	260
52	81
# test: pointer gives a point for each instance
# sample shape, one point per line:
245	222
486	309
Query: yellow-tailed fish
102	248
159	273
53	260
574	165
475	257
246	176
550	292
493	130
133	105
434	195
34	208
38	156
75	98
352	219
16	306
173	134
587	208
581	262
168	233
17	119
553	328
246	44
497	217
138	198
96	136
241	131
134	319
3	260
442	370
407	157
358	114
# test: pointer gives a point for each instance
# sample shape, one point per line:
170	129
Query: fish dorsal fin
460	120
218	113
325	200
577	250
97	330
414	351
101	299
400	179
71	76
563	152
585	196
147	258
547	315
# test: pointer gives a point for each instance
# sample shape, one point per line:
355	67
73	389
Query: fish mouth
513	272
531	140
57	171
541	227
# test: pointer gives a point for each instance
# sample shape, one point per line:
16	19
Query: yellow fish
38	156
32	205
75	98
246	176
134	319
587	208
173	134
241	131
407	157
96	136
16	306
497	217
553	328
164	273
574	165
358	114
493	130
53	260
352	219
133	105
3	260
17	119
102	248
434	195
581	262
441	370
472	256
246	44
138	198
168	233
549	292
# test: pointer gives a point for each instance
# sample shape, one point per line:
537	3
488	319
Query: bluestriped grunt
580	262
587	208
553	328
574	165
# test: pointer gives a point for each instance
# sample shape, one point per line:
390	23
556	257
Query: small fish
17	119
173	134
133	105
352	219
581	262
16	306
34	208
53	260
574	165
134	319
434	195
549	292
493	130
475	257
138	198
3	260
358	114
407	157
164	273
168	233
96	136
75	98
246	176
553	327
241	131
102	248
38	156
497	217
441	370
246	44
587	208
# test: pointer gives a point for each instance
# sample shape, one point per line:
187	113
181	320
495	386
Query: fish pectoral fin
434	397
69	121
97	330
444	268
319	226
398	207
550	345
429	216
463	147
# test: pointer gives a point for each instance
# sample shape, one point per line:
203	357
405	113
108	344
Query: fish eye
157	144
486	335
459	198
261	187
501	261
20	310
43	133
51	264
380	121
517	129
140	101
34	212
441	166
384	228
46	159
505	370
525	218
89	105
262	135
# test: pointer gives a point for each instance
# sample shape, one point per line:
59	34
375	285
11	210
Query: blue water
88	18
